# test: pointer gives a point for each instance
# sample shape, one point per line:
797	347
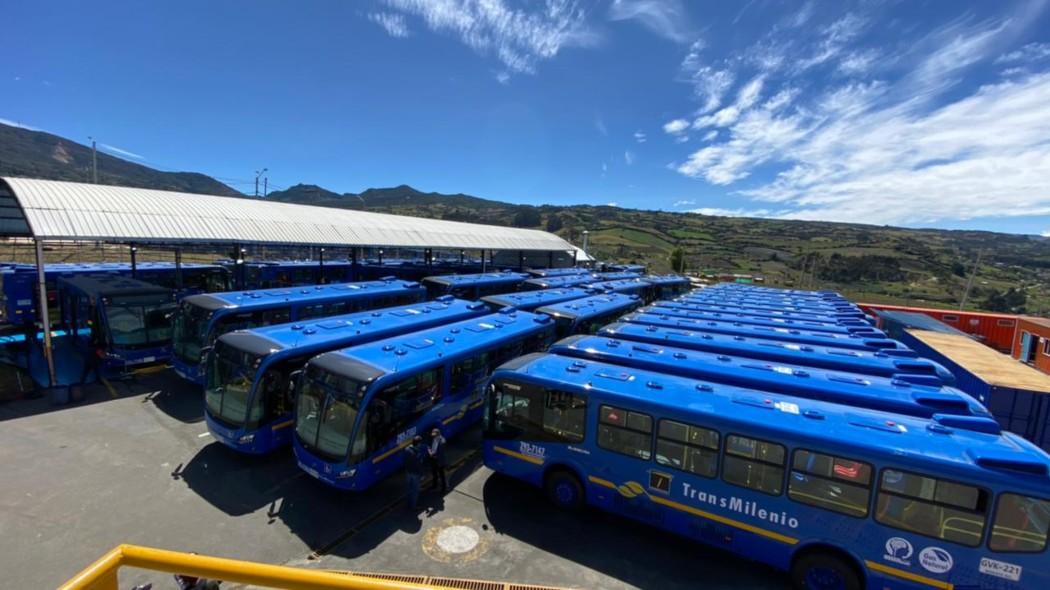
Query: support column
134	267
380	257
550	259
484	262
354	271
574	257
521	260
44	315
320	264
178	269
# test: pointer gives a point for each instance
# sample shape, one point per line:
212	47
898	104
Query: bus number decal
533	450
1000	569
406	435
738	505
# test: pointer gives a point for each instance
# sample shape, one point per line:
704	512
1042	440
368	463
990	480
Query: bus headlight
246	439
346	473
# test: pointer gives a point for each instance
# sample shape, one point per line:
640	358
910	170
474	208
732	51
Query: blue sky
905	113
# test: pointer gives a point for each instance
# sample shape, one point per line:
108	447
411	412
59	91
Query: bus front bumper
189	372
337	476
239	439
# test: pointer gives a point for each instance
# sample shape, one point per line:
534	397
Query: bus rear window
832	483
1021	524
626	432
932	507
754	464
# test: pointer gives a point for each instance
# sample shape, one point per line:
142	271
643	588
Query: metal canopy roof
58	210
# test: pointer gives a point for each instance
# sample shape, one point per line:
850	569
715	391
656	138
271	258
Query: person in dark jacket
438	460
415	456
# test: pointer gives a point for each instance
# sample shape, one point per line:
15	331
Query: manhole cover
454	540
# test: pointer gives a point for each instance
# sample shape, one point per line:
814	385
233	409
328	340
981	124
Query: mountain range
889	264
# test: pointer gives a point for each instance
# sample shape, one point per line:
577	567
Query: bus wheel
564	490
824	571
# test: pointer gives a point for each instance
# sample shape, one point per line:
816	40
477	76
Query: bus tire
564	490
824	570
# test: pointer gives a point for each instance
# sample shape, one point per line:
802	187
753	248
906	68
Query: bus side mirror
205	352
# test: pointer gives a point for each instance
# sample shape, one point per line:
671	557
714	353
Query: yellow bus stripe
404	444
703	514
284	424
517	455
876	566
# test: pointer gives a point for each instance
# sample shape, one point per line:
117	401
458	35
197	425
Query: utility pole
969	281
258	173
266	182
94	161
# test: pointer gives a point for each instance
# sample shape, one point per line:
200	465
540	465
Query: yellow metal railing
102	575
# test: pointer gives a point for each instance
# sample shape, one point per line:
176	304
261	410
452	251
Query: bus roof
560	281
488	278
529	300
619	284
618	275
345	330
882	362
101	285
877	341
795	304
589	307
666	279
556	272
891	394
823	325
118	267
428	347
972	446
260	298
763	311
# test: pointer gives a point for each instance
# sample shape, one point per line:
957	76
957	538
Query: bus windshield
563	326
230	384
139	320
326	408
191	324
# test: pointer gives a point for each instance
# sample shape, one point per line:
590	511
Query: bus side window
564	416
1021	524
689	448
407	400
626	432
932	507
277	315
832	483
469	371
754	464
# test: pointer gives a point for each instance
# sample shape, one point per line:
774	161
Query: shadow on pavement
238	484
637	554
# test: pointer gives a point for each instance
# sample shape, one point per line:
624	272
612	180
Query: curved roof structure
55	210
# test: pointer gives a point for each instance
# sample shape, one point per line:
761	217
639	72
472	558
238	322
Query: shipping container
893	323
1017	395
1032	342
993	329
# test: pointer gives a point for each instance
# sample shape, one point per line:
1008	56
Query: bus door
275	391
467	382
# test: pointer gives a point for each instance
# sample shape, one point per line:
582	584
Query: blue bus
837	496
122	321
705	296
643	289
632	268
272	274
358	407
247	391
889	394
530	300
201	319
898	362
848	319
559	282
473	286
18	285
617	275
778	292
668	286
824	325
590	314
556	272
859	342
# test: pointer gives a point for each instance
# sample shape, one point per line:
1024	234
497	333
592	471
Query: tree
1010	301
554	223
678	260
526	216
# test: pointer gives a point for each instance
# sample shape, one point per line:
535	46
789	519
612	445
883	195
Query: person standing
438	460
415	455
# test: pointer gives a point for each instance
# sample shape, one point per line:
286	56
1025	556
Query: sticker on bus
899	550
936	560
1000	569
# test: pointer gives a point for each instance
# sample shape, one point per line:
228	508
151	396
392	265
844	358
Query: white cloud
639	136
519	37
666	18
612	204
858	62
1045	233
394	24
676	126
503	78
834	39
746	98
709	83
119	152
628	158
681	139
721	212
710	135
599	124
17	124
684	202
1028	53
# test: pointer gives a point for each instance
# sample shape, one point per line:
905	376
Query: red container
1032	342
996	330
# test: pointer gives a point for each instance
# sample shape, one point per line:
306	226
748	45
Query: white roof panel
75	211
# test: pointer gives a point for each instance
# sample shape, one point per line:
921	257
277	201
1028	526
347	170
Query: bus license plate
313	472
1000	569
